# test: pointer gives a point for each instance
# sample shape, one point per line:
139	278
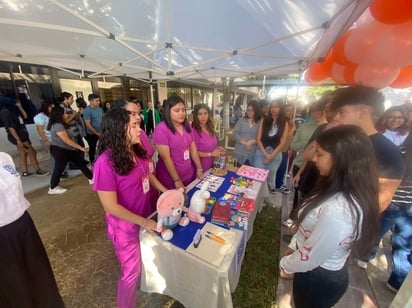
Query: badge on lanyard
145	183
151	166
186	154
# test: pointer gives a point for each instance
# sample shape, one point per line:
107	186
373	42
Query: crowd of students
348	175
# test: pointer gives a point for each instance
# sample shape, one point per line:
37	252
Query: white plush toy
198	203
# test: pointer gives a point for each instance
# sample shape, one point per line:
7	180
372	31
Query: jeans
319	287
280	174
272	166
401	216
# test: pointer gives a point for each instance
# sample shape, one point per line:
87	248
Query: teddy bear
198	203
170	206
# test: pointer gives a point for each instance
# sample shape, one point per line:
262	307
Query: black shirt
389	159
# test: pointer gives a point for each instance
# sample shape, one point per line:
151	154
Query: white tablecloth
170	270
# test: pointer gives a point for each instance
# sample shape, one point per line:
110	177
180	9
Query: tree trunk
227	87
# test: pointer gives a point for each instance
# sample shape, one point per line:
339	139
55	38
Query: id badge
146	184
186	154
151	166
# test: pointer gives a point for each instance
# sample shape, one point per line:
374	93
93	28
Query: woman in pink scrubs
122	181
205	137
173	140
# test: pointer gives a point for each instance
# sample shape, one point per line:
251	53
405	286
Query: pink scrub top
178	143
129	190
146	144
205	143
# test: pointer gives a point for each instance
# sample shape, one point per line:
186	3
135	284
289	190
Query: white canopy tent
185	39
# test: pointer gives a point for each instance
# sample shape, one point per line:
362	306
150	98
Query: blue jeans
280	174
272	166
401	242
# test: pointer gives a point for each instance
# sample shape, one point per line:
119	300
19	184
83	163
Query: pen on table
216	236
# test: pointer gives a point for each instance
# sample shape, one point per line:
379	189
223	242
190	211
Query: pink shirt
205	143
146	144
129	190
178	144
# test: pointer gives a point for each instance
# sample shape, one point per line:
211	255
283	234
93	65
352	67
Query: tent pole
151	97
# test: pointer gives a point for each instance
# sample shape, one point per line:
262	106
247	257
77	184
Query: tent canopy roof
186	39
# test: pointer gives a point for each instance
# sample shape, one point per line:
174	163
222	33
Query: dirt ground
73	231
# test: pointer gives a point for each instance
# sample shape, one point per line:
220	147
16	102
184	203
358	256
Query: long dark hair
353	174
209	124
171	102
381	124
64	95
280	121
56	116
114	138
256	110
44	108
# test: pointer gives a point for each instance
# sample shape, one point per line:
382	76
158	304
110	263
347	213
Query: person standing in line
291	128
270	139
148	117
72	118
41	119
244	133
398	216
205	137
177	150
17	134
93	115
64	149
339	218
122	182
26	278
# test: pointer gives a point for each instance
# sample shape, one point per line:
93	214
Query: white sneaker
288	222
91	182
57	191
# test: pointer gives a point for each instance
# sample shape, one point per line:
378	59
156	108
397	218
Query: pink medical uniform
178	143
205	143
153	194
124	235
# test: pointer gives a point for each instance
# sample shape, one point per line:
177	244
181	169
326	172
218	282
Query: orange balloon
391	11
338	50
328	63
315	73
404	79
376	75
349	73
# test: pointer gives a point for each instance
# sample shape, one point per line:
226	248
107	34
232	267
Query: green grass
259	276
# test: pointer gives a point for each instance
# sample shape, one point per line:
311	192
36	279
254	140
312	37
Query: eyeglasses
396	118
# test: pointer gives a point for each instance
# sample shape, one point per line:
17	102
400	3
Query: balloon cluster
376	51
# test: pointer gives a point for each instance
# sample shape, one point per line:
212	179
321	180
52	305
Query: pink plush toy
198	204
170	206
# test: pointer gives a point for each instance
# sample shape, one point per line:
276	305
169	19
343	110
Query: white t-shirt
13	203
324	238
42	119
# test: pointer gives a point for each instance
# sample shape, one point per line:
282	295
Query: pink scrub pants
127	248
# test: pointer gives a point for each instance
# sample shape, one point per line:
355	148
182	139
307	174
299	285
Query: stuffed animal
198	203
169	212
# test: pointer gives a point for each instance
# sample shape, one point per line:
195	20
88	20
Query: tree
227	89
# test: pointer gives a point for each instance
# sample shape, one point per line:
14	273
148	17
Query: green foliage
315	92
258	279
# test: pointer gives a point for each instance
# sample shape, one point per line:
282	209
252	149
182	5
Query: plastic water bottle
222	161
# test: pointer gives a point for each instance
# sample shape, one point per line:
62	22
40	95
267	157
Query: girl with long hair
270	139
245	132
64	149
122	180
177	150
205	136
341	216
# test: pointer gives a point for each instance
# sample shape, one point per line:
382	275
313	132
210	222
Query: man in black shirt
360	106
17	134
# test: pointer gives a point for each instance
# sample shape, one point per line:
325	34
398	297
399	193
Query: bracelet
199	169
177	180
